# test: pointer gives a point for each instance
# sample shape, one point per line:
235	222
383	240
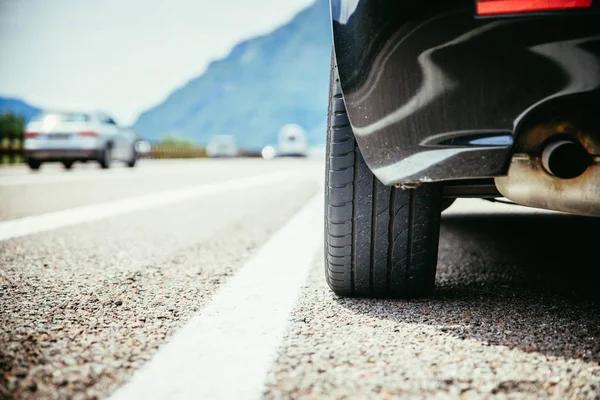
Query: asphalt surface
83	307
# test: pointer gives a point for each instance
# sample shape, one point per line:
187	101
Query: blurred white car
269	152
143	147
222	146
68	137
292	142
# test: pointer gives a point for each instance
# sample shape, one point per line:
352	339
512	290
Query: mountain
263	84
18	107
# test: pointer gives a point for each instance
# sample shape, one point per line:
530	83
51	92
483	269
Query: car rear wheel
105	158
34	164
380	241
131	163
68	164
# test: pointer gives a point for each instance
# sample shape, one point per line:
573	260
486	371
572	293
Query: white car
143	147
68	137
222	146
292	141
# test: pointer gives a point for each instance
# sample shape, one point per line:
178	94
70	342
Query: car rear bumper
435	94
292	152
61	154
221	153
45	148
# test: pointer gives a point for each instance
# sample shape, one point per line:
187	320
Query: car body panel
434	93
222	146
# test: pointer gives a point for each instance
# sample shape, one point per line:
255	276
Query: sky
121	56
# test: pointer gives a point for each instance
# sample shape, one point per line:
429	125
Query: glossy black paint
434	93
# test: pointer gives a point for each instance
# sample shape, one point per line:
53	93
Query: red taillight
491	7
29	135
88	134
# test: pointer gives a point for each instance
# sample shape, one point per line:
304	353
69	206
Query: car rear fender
435	94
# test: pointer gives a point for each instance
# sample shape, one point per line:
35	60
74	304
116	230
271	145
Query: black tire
68	164
134	157
34	165
105	159
380	241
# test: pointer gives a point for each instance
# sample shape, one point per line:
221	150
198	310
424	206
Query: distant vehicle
268	152
68	137
292	142
142	147
222	146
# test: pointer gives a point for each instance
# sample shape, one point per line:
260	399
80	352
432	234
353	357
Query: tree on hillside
173	140
11	126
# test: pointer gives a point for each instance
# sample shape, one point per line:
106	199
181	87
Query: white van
292	141
222	146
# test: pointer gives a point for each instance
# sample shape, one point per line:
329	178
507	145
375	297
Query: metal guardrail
159	152
11	152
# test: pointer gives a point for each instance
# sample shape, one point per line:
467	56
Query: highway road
204	279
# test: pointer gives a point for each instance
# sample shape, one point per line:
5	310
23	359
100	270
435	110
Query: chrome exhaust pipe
561	174
565	159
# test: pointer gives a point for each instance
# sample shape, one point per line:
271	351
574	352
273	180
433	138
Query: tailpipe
555	167
565	159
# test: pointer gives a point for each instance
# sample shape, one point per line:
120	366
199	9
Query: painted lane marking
227	350
88	174
59	219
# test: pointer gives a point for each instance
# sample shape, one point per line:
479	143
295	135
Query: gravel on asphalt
513	316
84	307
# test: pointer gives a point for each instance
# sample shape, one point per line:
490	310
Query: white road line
51	179
159	168
58	219
227	350
88	175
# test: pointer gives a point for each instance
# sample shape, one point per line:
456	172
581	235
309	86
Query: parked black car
434	100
